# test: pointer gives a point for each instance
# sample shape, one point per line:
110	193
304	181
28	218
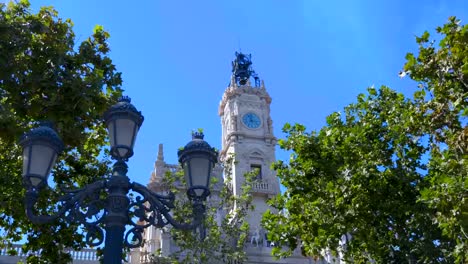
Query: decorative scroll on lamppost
106	219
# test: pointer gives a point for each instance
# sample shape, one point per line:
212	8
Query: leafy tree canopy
46	75
386	180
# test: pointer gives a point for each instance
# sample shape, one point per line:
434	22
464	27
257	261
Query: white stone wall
252	146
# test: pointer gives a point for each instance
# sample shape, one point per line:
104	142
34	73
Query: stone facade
253	146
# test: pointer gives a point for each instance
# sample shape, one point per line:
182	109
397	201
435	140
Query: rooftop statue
242	69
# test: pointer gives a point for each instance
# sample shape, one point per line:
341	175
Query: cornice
234	91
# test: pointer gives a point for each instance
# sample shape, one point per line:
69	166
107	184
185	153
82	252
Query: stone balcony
263	187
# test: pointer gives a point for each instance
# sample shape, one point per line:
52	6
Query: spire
159	170
160	153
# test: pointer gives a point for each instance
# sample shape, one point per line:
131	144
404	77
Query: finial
197	135
263	84
249	83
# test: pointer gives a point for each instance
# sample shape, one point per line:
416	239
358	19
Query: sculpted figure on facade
270	125
255	237
234	122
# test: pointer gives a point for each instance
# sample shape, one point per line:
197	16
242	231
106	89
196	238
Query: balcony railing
84	256
263	186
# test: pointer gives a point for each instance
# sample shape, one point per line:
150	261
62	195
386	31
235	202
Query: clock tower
247	133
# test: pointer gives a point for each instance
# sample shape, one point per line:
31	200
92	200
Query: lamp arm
154	209
75	206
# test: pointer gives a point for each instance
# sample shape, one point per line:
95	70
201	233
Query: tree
387	179
225	221
442	75
46	75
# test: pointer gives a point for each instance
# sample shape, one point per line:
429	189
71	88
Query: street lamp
123	122
197	159
40	151
117	210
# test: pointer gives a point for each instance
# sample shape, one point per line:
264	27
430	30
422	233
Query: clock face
251	120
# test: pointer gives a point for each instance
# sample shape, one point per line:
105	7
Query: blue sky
315	57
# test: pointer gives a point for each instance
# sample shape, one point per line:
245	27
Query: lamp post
117	210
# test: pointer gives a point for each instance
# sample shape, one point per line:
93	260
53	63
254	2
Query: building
247	132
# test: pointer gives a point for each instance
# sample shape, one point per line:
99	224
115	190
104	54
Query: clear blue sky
315	57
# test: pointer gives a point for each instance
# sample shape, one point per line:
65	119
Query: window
258	168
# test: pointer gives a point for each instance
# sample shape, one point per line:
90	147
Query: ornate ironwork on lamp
113	213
